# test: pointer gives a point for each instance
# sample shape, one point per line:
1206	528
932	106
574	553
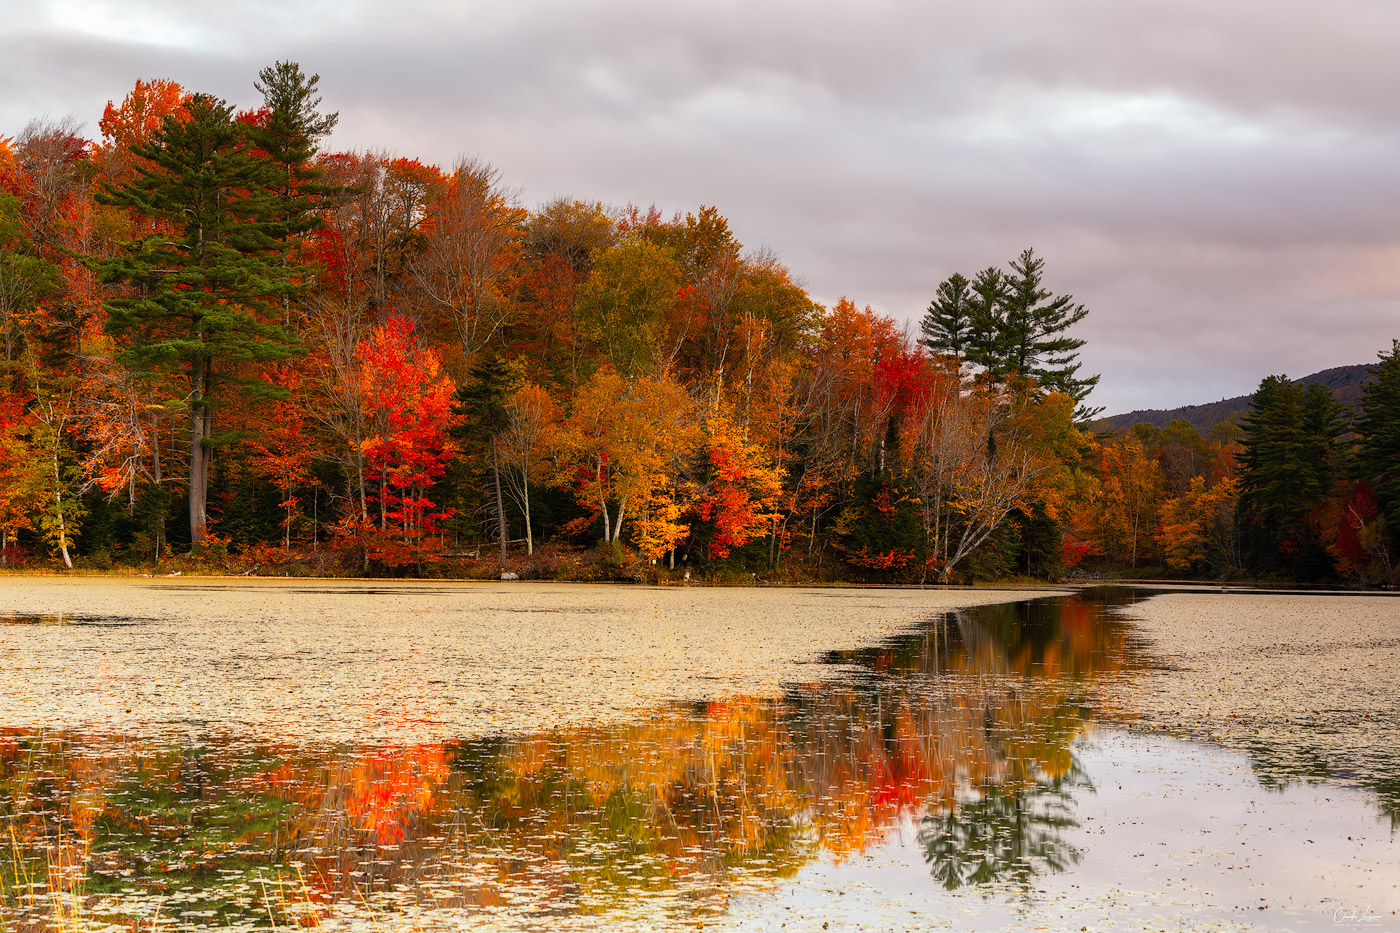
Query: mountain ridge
1346	382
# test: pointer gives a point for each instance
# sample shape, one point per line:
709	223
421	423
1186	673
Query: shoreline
1012	585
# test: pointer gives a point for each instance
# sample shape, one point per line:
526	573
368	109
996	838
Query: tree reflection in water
968	724
1009	833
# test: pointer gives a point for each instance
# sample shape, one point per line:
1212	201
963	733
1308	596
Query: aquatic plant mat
507	757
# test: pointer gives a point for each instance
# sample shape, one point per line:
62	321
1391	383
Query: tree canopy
220	336
1009	323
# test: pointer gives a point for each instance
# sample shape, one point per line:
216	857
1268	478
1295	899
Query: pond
194	755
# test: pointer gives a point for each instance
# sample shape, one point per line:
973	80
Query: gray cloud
1215	181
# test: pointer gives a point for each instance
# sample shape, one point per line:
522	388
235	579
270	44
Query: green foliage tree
881	531
482	406
948	325
288	131
1291	459
1378	458
984	343
1010	323
291	128
628	306
24	277
201	302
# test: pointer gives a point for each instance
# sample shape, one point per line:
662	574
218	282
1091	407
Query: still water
999	767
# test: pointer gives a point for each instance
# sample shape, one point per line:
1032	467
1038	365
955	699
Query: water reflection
967	727
55	618
1009	833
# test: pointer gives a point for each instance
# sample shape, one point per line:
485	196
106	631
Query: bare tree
973	465
521	446
476	229
53	157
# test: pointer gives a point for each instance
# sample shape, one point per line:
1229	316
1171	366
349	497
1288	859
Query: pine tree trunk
199	455
500	501
198	476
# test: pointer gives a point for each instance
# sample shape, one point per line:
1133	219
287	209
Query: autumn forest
228	349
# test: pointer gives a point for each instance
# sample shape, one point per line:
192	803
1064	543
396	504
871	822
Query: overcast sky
1216	181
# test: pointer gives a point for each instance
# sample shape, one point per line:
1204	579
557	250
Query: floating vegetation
1307	686
975	740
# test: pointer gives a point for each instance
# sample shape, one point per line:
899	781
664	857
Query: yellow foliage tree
625	444
1189	520
1129	503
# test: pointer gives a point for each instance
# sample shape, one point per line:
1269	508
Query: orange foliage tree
283	453
21	473
1189	522
410	401
1129	502
742	491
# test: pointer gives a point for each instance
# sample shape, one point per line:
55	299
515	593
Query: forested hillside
1347	384
227	349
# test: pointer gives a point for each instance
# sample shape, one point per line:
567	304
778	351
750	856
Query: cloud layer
1215	181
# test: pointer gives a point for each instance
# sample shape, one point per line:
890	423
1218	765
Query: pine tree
1379	427
289	130
985	310
947	326
481	404
200	302
1010	324
1034	325
1290	461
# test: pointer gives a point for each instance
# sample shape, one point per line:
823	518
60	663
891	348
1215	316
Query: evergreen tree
1034	338
481	405
1379	427
985	310
1010	324
881	530
947	326
293	126
289	131
1324	422
1290	461
1269	466
200	301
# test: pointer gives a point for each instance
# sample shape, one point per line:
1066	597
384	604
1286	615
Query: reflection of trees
1011	833
1279	765
971	719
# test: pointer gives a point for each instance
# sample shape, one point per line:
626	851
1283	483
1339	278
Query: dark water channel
980	772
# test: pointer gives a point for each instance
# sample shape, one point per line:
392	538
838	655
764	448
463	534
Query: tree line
223	342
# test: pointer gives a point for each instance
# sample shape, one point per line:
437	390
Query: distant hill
1346	383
